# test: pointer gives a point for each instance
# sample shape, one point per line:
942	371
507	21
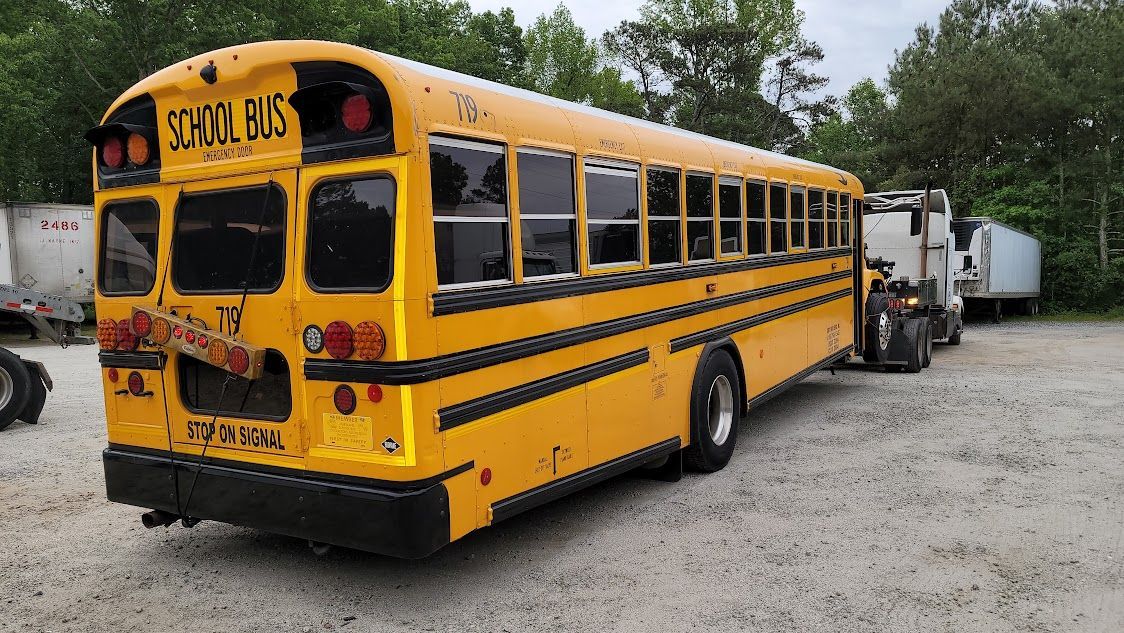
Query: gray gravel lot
984	494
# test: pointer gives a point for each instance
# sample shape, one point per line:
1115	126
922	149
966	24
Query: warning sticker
348	431
390	445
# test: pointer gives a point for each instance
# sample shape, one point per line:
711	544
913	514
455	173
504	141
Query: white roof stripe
469	80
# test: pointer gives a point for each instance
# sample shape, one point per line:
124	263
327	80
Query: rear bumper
405	522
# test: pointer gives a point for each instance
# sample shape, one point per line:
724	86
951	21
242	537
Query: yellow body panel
529	444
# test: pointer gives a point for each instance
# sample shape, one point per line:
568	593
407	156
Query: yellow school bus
363	301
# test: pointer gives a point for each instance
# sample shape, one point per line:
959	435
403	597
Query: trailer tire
914	330
15	387
927	342
34	406
716	409
877	329
955	338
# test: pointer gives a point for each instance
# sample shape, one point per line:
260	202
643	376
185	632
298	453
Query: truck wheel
15	387
955	338
914	330
878	328
927	343
716	409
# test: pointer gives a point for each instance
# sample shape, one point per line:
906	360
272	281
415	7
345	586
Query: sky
858	37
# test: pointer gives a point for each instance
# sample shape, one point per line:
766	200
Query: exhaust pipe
157	518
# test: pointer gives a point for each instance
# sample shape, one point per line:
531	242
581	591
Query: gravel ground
984	494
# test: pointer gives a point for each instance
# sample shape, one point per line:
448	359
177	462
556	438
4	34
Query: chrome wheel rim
720	410
7	387
884	327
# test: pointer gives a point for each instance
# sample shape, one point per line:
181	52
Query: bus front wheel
716	410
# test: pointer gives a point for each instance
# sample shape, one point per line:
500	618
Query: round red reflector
138	149
202	342
344	399
189	336
485	476
239	360
113	152
177	331
126	340
142	324
112	374
136	384
374	393
338	339
356	113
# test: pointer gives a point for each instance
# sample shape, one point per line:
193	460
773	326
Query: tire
15	387
927	342
914	329
34	406
716	409
877	328
955	338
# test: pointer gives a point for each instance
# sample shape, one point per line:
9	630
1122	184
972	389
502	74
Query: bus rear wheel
716	410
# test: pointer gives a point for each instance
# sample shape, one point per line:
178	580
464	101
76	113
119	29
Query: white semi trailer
48	248
998	267
910	234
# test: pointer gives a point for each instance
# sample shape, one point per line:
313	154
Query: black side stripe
714	333
423	370
472	410
131	360
455	301
779	388
559	488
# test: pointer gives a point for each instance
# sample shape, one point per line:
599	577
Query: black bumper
403	522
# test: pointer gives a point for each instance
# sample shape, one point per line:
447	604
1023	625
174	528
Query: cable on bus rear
186	520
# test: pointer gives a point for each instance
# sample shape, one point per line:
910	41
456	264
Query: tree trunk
1102	210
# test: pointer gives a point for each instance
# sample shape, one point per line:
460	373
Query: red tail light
344	399
126	340
202	341
338	339
107	334
142	324
177	331
113	152
136	384
356	112
239	360
189	336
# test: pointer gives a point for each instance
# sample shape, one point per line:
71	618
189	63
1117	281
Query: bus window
267	398
128	260
471	236
832	219
547	214
796	215
612	204
700	217
756	228
663	216
351	234
815	218
214	234
845	219
730	215
778	217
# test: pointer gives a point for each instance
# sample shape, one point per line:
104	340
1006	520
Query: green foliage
1014	107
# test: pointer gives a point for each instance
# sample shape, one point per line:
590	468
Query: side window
815	218
832	219
700	217
756	227
351	234
547	214
128	243
845	219
796	216
778	217
470	221
612	207
730	215
663	216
